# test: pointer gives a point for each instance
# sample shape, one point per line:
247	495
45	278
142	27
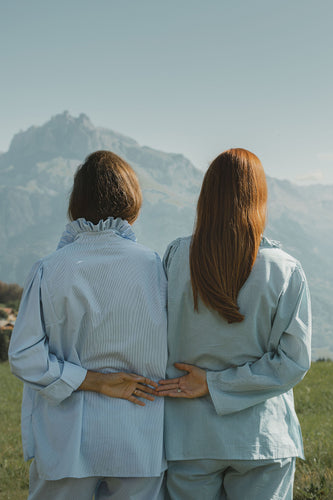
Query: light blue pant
95	488
231	479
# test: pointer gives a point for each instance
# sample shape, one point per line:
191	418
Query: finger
151	383
146	388
173	394
169	381
144	380
136	401
141	394
184	367
134	376
167	387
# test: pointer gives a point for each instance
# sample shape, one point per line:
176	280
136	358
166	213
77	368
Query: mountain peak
67	119
62	136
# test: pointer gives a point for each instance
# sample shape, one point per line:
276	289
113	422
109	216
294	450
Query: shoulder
179	247
53	259
272	250
140	253
35	274
279	262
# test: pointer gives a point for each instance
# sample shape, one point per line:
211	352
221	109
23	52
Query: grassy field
314	405
13	471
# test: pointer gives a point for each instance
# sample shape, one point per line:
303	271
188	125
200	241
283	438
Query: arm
277	371
29	355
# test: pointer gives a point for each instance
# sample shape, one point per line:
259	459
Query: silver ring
179	390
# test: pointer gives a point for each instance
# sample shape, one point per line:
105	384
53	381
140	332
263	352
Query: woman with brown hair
239	329
90	344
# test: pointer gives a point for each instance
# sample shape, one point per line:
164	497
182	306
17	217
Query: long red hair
231	216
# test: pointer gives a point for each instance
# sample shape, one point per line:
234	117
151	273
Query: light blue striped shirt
97	303
251	366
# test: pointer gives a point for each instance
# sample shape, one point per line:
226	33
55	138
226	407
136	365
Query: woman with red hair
239	332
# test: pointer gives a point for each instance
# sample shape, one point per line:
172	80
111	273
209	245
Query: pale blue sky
186	76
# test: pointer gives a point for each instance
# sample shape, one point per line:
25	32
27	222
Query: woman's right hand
120	385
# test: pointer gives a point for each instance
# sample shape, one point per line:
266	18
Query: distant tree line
10	295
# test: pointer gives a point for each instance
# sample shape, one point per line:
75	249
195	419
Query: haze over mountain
36	176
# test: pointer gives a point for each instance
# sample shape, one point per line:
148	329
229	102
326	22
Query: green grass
314	406
14	480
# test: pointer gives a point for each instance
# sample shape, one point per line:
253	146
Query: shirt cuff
71	378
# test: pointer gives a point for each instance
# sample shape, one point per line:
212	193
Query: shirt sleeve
29	354
279	369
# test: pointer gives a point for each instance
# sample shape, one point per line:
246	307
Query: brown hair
231	216
105	186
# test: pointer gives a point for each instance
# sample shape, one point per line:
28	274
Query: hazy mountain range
36	175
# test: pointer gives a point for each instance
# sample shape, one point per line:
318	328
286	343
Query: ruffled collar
117	226
267	242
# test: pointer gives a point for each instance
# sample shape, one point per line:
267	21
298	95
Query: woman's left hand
192	385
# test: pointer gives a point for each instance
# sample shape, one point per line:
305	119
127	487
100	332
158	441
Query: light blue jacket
97	303
251	366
